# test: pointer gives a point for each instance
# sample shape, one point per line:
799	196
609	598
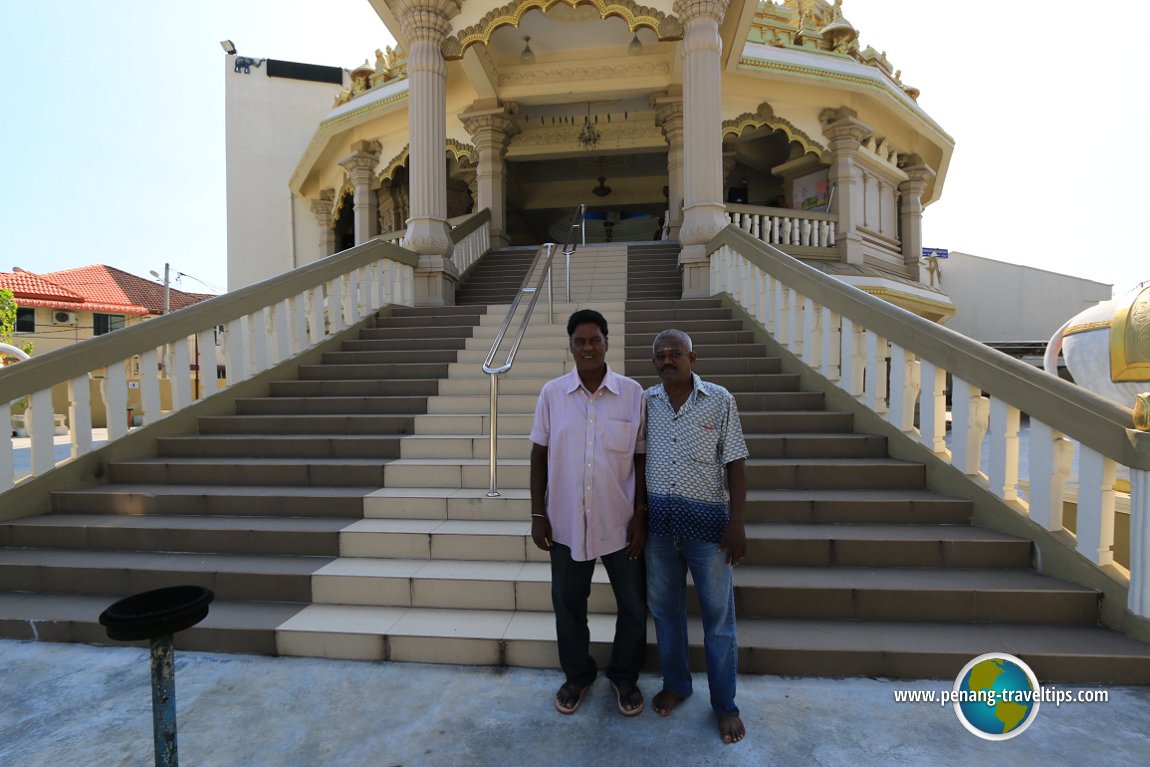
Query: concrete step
467	446
712	355
816	445
435	503
855	506
137	501
432	311
675	314
329	405
404	344
433	320
792	422
217	534
230	626
372	372
750	382
445	332
481	384
682	302
702	340
230	576
455	473
422	387
337	445
358	472
653	326
473	423
481	403
834	473
389	357
439	539
336	423
884	546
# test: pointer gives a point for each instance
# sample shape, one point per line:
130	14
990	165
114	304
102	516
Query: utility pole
167	289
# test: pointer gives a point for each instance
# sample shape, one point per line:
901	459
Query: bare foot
731	729
665	702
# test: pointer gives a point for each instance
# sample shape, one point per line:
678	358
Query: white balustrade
779	226
155	362
833	339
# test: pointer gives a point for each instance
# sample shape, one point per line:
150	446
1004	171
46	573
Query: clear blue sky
111	124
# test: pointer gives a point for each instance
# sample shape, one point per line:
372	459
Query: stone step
749	382
460	540
205	500
454	473
901	650
404	344
230	576
358	472
335	423
432	311
834	473
230	626
281	446
467	446
683	303
884	545
707	367
373	372
386	332
653	326
815	445
522	369
791	422
712	355
329	405
421	387
674	314
218	534
427	321
473	423
481	385
481	403
391	357
434	503
838	593
855	506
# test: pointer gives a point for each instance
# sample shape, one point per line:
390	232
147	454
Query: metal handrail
525	289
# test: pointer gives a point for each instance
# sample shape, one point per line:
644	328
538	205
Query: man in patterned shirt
696	490
586	504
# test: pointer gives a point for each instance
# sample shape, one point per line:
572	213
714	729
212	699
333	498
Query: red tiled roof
96	288
33	286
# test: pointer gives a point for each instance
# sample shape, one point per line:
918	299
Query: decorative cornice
535	76
569	134
765	116
395	164
633	15
462	151
819	73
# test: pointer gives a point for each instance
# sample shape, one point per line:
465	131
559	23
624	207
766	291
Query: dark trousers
570	587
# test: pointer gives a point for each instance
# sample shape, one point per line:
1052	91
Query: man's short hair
586	315
677	335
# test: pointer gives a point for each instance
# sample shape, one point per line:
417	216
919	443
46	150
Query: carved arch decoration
341	194
462	152
666	27
394	164
765	116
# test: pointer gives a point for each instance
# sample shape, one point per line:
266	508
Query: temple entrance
626	195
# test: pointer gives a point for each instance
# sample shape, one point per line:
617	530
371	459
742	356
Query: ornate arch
634	15
462	152
765	116
342	193
394	164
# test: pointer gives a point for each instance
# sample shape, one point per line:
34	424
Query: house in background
57	309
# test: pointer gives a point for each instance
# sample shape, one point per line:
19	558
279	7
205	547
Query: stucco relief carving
633	15
765	116
566	74
568	134
462	152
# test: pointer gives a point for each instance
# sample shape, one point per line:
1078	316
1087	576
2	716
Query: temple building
669	120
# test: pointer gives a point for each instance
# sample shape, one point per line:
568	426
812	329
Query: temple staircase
346	514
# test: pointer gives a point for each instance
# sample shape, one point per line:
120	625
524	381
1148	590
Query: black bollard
156	616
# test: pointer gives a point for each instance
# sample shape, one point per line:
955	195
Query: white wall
996	301
268	122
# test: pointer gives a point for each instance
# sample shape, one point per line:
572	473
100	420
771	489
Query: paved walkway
79	705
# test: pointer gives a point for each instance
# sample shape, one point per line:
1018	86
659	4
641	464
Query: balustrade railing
256	327
470	234
891	359
783	227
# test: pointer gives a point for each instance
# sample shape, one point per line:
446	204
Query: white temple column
322	210
669	117
490	131
846	133
360	167
910	211
704	214
425	25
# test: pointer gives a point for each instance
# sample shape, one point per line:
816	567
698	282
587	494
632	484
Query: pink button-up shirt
591	441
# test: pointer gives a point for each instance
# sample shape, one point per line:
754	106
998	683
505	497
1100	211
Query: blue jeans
570	588
668	560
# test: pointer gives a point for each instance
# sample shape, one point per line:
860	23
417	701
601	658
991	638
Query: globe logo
996	696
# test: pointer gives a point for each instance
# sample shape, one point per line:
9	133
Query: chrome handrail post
568	253
550	300
493	447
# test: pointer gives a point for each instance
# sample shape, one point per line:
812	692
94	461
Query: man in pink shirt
588	502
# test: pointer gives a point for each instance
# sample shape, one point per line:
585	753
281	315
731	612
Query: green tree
8	321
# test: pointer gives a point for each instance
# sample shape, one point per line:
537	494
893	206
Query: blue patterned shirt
687	453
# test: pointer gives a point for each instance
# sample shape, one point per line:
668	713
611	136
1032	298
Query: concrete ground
80	705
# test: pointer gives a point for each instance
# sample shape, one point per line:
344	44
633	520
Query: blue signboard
935	253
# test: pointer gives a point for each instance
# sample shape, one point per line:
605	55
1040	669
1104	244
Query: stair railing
248	330
541	263
888	359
